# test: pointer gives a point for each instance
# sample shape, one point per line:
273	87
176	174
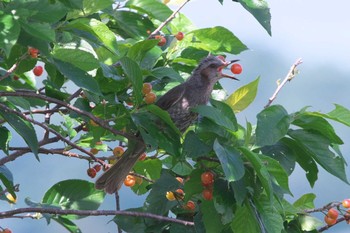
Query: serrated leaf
244	220
216	116
230	160
86	7
133	71
273	124
130	223
193	147
309	223
210	217
74	194
260	10
78	76
9	32
138	51
339	114
305	202
161	72
318	146
243	96
182	168
23	128
98	30
218	40
309	121
79	58
153	8
68	224
43	31
272	220
5	137
260	169
150	168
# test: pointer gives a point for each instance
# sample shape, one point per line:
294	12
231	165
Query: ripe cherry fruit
33	52
190	205
162	40
170	196
6	230
207	194
329	221
236	68
333	213
142	157
97	167
346	203
207	178
146	88
179	36
38	70
91	172
129	181
150	98
118	151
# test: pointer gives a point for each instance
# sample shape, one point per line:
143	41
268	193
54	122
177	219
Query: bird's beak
227	63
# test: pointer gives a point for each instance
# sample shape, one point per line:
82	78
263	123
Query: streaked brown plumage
196	90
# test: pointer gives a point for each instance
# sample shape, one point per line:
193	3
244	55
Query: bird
178	102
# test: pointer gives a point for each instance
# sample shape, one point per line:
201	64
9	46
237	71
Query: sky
316	31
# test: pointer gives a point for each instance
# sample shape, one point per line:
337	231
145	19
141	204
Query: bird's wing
171	97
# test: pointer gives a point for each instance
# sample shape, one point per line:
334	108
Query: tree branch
291	74
171	17
13	67
72	108
12	213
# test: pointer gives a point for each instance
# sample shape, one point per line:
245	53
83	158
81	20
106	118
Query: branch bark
291	74
12	213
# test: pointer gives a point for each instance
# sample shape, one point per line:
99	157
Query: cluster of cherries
332	215
179	194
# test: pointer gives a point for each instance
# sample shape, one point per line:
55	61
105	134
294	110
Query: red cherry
91	172
38	70
162	40
346	203
207	178
33	52
179	36
207	194
97	167
330	221
333	213
236	68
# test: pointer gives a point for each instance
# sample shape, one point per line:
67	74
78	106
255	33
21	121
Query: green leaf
87	7
150	168
131	223
243	96
260	169
217	116
9	32
156	201
161	72
230	160
318	146
98	30
42	31
193	147
182	168
153	8
138	51
309	121
75	195
309	223
218	40
277	171
79	58
245	220
78	76
5	137
133	71
273	123
23	128
6	178
210	217
304	159
305	202
68	224
260	10
272	220
339	114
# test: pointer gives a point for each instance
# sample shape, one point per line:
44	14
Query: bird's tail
114	177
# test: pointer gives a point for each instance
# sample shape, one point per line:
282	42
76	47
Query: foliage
97	55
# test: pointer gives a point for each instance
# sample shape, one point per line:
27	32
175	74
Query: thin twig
13	67
46	128
12	213
98	121
291	74
171	17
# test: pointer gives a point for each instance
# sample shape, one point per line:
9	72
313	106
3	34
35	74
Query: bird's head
211	68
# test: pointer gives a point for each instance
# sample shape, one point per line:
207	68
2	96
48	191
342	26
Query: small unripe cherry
150	98
146	88
190	205
38	70
170	196
346	203
181	180
93	151
207	194
142	157
118	151
162	40
236	68
91	172
329	221
179	36
129	181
